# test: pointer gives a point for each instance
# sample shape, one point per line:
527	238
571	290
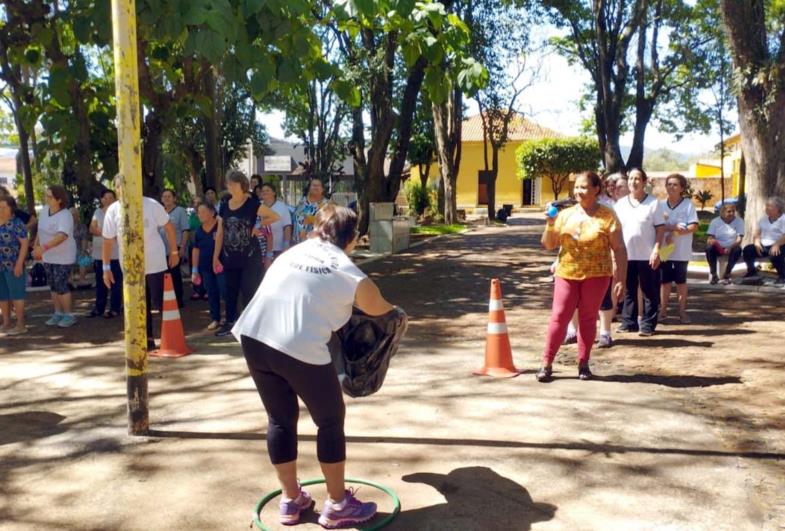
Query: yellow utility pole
130	191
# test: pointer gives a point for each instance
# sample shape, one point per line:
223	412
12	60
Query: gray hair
614	177
777	202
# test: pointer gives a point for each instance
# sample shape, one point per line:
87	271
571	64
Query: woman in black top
237	245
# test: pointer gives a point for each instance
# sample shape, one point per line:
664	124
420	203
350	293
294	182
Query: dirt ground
681	430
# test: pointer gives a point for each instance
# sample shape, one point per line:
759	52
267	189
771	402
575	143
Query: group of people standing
227	242
622	249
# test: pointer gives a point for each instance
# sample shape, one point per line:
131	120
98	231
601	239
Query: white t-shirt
683	213
48	227
306	294
639	222
726	233
771	232
155	217
280	208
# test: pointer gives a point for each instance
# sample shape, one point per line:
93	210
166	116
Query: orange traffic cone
172	333
498	354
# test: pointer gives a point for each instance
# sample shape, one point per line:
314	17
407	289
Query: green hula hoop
389	518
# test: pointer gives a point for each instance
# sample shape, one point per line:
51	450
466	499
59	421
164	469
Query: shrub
418	197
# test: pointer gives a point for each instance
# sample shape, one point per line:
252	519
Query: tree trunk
212	151
152	136
87	185
643	112
761	101
24	153
447	125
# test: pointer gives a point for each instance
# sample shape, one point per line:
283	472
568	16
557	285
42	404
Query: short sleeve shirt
239	243
21	214
98	241
682	213
154	217
10	233
726	233
179	218
585	243
205	242
49	226
639	222
770	231
307	294
304	217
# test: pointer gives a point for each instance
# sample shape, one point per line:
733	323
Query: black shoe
225	330
625	329
150	345
645	333
584	373
545	374
750	274
714	279
93	313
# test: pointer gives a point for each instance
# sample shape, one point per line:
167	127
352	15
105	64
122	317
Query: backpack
362	349
37	275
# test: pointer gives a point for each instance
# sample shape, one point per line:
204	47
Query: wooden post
130	194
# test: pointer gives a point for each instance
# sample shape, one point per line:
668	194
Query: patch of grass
436	230
699	236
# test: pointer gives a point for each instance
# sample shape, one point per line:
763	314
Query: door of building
482	187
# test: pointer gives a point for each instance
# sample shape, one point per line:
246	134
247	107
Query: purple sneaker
353	512
291	509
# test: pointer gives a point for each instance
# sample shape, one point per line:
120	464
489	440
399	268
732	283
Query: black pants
177	280
751	253
241	283
640	273
116	297
154	297
280	379
712	255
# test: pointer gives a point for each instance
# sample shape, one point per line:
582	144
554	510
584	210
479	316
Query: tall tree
391	52
500	38
622	44
756	33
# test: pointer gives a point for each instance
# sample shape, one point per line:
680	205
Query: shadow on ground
477	498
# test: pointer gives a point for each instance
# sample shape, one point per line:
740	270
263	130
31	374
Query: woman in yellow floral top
587	233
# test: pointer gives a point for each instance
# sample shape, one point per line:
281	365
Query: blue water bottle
552	211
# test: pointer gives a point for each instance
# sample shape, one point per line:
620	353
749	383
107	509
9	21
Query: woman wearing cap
308	293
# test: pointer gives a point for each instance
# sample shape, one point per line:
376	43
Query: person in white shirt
768	239
56	247
724	237
282	229
643	227
307	294
155	257
116	297
681	221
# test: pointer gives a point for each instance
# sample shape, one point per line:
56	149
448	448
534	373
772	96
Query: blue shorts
12	288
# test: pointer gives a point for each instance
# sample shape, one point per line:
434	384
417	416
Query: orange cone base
171	353
497	372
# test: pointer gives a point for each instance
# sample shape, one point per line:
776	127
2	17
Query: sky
552	101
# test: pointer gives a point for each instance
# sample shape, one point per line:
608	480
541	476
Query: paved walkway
631	450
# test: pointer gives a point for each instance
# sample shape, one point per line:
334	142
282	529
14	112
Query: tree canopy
556	159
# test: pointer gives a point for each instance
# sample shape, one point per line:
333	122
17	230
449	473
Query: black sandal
93	313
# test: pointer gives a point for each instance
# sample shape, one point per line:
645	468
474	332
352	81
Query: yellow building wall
706	170
509	187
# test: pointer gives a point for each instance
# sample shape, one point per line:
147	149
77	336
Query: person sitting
724	239
768	239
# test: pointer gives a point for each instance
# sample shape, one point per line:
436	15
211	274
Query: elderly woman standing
56	247
681	221
307	294
768	239
13	250
591	250
306	210
725	234
237	250
643	227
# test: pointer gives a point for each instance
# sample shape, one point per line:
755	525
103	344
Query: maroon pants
586	296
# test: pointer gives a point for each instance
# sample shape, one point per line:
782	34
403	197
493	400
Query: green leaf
437	84
260	82
252	7
58	86
82	27
289	70
33	55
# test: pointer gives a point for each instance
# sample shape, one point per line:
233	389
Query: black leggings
241	283
280	379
